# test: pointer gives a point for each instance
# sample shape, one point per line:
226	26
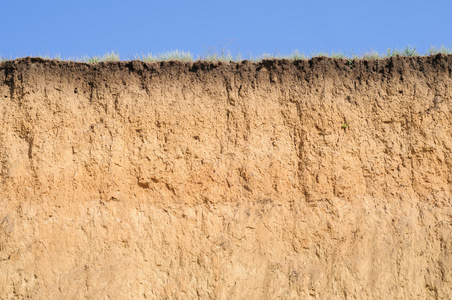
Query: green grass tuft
408	51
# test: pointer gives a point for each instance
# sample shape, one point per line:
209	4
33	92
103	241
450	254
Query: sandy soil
275	180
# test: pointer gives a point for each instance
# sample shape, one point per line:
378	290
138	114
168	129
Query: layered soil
312	179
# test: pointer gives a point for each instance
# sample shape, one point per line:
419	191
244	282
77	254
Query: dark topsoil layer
272	70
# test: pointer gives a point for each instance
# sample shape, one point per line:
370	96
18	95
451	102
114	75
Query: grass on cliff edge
227	57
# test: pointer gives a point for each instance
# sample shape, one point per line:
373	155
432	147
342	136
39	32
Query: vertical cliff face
306	179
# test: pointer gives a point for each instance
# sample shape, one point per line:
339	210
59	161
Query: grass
295	55
214	54
112	56
408	51
166	56
371	55
435	50
3	58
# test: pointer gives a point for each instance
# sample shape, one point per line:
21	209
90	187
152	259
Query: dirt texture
312	179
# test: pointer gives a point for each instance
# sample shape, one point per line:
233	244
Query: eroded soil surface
314	179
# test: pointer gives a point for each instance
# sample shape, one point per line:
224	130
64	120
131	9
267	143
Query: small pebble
437	100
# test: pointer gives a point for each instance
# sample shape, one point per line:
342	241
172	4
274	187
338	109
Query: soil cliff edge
310	179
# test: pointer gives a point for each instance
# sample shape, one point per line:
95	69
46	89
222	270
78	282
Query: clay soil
313	179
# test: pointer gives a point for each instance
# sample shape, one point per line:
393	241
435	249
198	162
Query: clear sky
78	28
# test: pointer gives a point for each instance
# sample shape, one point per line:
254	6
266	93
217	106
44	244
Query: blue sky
78	28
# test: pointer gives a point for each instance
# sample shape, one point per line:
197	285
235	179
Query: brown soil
275	180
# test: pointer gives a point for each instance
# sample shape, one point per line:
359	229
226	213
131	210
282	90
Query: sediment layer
322	179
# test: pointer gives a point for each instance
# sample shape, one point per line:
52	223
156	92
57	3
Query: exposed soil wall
319	179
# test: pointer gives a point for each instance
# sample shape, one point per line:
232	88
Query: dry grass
226	56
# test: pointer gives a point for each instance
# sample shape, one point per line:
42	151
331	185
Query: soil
312	179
